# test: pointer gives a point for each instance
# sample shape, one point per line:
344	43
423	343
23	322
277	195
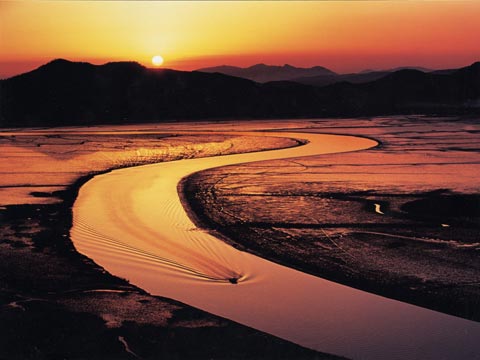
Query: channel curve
131	222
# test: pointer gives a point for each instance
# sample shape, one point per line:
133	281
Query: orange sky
342	35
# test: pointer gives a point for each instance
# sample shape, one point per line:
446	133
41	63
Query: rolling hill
70	93
264	73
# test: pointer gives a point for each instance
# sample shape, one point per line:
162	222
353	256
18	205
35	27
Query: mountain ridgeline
70	93
317	75
264	73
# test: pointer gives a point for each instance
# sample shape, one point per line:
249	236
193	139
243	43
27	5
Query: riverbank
57	303
146	236
400	220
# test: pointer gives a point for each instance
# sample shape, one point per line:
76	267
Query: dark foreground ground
58	304
401	220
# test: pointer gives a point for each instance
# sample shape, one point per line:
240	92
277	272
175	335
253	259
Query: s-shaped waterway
132	222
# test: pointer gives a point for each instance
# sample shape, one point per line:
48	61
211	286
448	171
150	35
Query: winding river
131	221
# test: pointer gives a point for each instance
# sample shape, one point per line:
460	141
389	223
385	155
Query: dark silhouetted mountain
356	78
317	76
68	93
264	73
407	91
444	71
64	93
419	68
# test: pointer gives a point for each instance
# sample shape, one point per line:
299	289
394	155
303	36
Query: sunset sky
344	36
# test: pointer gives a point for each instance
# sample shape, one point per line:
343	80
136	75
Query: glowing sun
157	60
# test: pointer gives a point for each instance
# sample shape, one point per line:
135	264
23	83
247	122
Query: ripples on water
204	265
132	223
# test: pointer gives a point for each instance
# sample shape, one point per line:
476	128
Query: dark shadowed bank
400	220
56	303
67	93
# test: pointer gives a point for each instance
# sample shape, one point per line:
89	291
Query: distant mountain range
355	78
70	93
419	68
361	77
264	73
317	75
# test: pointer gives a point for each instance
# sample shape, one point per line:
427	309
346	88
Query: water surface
131	222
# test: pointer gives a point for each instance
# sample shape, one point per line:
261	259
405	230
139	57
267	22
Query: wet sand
56	303
145	236
400	220
34	311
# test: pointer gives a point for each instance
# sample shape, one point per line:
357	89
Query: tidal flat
57	303
400	220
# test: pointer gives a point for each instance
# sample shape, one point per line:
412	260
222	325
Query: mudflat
145	235
57	303
400	220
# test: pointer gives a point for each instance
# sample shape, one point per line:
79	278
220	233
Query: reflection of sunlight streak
151	223
90	235
160	253
377	209
127	348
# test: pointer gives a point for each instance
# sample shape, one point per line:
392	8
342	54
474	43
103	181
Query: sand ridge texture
401	220
57	303
146	236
